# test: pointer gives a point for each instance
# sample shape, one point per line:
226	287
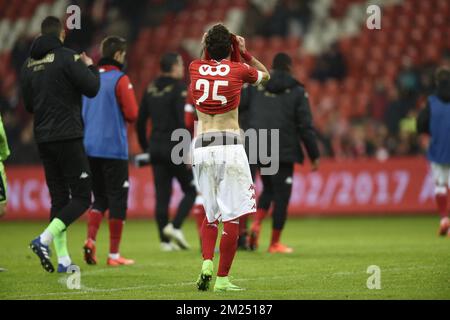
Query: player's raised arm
203	53
252	61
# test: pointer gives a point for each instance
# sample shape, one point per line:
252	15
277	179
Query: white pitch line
91	290
85	290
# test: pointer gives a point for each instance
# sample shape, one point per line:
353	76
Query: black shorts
68	177
110	186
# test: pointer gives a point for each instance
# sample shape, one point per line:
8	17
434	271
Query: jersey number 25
206	89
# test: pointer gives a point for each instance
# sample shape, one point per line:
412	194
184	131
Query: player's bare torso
218	122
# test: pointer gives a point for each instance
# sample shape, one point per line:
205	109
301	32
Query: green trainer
205	276
223	284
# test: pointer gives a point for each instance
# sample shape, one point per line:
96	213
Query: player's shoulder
66	50
196	62
300	91
194	67
237	65
233	67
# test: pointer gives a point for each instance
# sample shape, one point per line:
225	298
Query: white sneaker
169	246
176	235
166	247
168	230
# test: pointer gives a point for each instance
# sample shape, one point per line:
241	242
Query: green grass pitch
330	262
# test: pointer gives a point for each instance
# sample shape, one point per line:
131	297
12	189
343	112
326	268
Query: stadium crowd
386	127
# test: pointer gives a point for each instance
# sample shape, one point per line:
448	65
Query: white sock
114	255
65	261
46	237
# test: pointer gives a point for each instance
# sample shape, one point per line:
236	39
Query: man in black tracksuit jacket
53	80
163	104
282	103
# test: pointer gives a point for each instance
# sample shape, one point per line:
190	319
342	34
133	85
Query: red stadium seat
332	87
276	43
345	105
216	15
199	16
257	44
349	85
239	3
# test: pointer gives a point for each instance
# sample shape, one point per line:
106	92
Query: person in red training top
218	157
105	118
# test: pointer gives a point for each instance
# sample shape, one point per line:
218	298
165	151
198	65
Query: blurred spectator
381	143
408	81
277	24
20	52
330	65
426	80
24	150
378	102
446	58
397	109
325	144
4	103
278	18
409	144
300	14
345	129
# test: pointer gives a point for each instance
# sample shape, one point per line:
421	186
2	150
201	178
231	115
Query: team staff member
106	142
282	103
53	79
434	119
163	103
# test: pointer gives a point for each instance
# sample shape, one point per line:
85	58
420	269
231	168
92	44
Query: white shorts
225	182
441	176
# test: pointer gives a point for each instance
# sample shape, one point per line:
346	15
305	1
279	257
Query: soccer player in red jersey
219	160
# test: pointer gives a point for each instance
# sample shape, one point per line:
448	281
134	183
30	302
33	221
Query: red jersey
216	86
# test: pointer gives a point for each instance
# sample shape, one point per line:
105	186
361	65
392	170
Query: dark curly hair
218	42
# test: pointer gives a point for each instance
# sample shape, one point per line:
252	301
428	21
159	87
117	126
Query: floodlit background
365	87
